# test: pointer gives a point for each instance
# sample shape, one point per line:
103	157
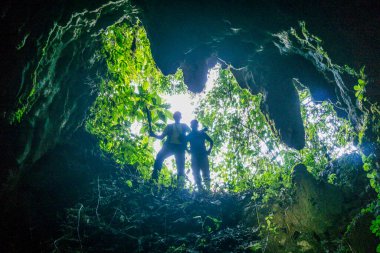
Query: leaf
161	116
255	247
366	167
145	86
129	183
109	146
361	82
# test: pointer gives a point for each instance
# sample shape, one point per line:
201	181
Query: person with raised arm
175	144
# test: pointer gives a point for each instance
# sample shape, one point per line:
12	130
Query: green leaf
140	114
366	167
129	183
161	115
145	86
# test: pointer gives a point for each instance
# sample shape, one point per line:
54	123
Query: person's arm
161	136
187	141
208	138
187	129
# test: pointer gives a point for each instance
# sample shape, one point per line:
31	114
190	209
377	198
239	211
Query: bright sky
182	103
186	103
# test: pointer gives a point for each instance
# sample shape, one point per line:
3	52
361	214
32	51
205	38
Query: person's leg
196	172
180	162
206	171
164	153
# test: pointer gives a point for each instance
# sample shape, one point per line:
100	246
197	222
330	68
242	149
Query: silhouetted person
199	155
175	144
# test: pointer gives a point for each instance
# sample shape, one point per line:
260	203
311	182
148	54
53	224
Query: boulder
320	211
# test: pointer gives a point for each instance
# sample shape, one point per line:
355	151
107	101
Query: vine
369	140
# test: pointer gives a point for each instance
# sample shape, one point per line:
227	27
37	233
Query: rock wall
34	202
321	217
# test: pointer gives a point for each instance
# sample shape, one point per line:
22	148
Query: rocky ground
126	216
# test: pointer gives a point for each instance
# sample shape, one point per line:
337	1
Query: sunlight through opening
186	104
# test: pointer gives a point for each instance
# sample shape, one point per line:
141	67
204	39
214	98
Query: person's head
177	117
194	124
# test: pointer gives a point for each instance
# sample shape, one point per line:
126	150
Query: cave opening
248	150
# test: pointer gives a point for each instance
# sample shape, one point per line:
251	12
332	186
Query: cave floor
119	217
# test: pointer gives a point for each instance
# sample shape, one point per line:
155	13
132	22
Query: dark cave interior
51	61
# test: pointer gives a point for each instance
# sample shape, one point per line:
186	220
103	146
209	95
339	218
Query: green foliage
369	165
331	178
209	224
118	116
375	227
360	87
245	148
215	224
17	116
373	175
270	226
129	183
255	247
248	154
327	136
369	134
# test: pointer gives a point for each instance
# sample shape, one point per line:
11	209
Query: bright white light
182	103
135	128
186	103
348	149
328	135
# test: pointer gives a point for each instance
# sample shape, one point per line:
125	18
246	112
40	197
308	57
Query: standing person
199	155
175	144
